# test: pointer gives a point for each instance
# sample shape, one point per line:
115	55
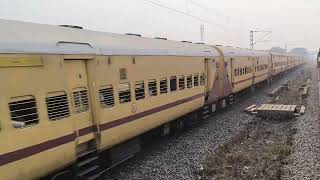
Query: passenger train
73	99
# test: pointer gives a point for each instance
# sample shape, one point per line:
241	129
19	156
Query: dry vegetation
261	149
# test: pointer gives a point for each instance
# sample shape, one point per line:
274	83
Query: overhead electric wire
226	17
207	9
186	14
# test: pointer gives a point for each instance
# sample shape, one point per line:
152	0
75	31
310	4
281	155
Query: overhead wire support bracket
253	42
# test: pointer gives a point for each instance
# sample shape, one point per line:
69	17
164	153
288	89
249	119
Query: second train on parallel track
79	98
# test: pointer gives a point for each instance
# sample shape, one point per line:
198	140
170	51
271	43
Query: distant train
75	99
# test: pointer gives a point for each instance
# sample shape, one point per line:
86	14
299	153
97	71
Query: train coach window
189	81
124	93
23	111
163	86
106	97
57	105
173	83
139	90
196	80
81	100
152	87
181	83
202	79
123	73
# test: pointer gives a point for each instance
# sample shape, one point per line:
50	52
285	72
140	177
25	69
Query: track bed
277	148
180	156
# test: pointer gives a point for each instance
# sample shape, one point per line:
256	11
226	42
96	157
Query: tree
278	50
299	51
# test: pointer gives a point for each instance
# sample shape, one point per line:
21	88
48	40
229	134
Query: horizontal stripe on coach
261	75
35	149
243	80
38	148
87	130
137	116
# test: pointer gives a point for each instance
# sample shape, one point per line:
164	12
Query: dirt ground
261	150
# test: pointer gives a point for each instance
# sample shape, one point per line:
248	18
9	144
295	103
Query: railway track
180	155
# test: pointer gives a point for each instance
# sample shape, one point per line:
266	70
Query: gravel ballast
304	162
178	157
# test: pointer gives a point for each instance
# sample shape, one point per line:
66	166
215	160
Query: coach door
77	79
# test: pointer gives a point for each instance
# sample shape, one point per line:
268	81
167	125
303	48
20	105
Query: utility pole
251	39
286	47
187	6
253	42
202	33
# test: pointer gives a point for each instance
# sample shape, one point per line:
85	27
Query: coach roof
229	51
23	37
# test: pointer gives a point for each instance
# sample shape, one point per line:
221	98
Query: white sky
292	22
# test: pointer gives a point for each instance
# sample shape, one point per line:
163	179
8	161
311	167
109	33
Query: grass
282	151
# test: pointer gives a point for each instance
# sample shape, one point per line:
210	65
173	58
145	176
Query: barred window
57	105
152	87
202	79
124	93
80	100
196	80
139	90
106	96
173	83
181	83
163	86
123	73
189	81
23	111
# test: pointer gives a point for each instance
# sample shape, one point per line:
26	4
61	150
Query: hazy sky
227	22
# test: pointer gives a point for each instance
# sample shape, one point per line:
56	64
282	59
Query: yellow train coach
68	94
279	63
73	99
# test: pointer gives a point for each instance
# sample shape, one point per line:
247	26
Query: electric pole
202	33
264	39
187	6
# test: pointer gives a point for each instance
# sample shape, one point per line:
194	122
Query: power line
185	13
211	10
207	9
